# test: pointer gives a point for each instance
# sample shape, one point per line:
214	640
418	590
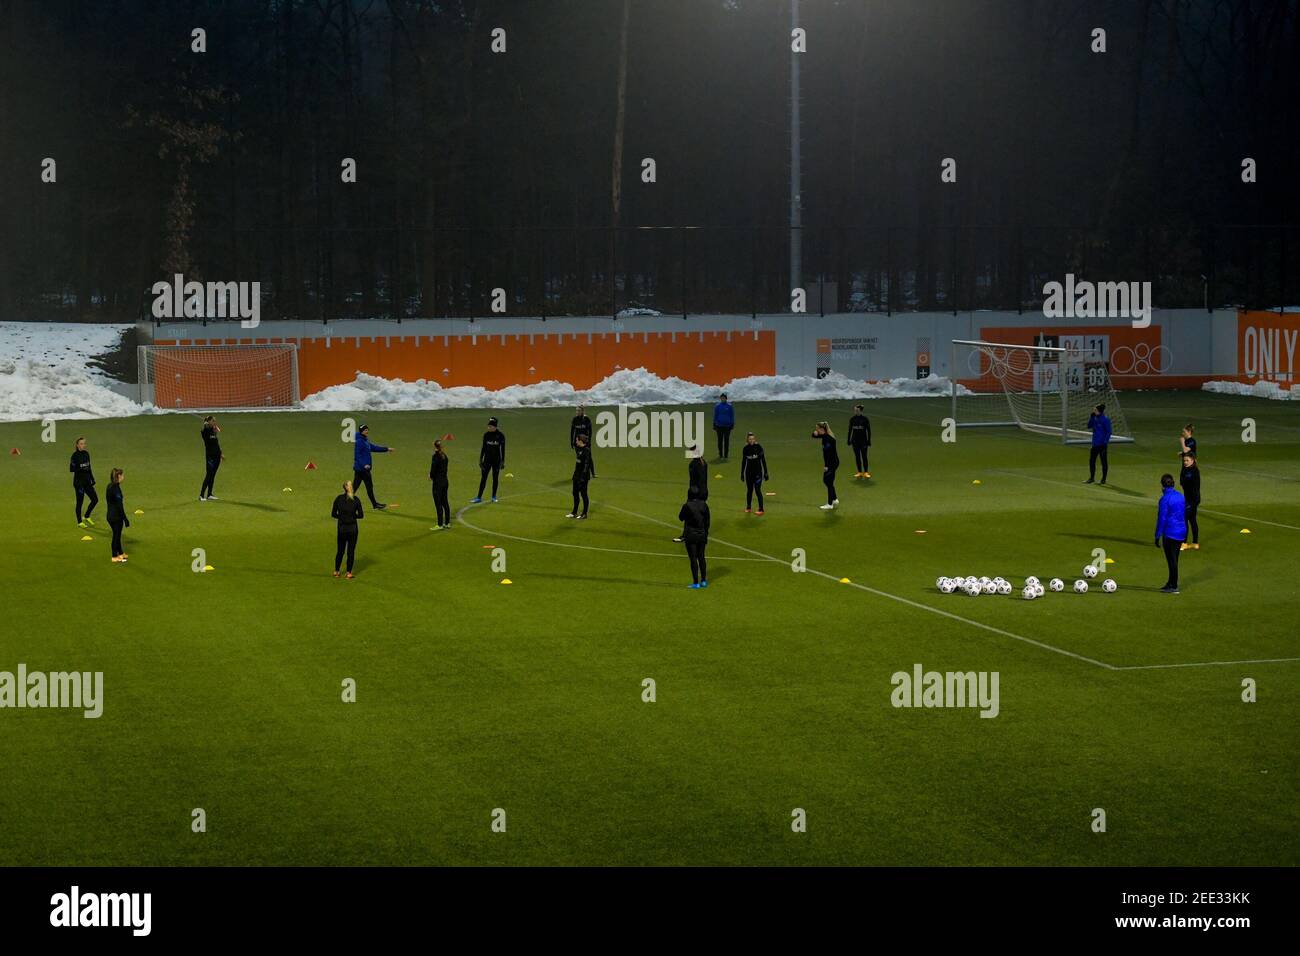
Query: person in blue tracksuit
361	462
1099	425
724	420
1171	528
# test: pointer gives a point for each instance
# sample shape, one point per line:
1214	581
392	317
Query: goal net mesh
219	376
1050	391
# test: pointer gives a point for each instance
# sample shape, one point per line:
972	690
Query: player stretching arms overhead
362	462
860	440
581	425
491	458
83	483
212	457
830	462
581	475
753	472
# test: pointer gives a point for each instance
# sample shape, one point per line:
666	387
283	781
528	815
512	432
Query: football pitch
224	690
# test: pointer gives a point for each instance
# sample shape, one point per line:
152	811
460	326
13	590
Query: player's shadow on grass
250	504
1128	492
1103	537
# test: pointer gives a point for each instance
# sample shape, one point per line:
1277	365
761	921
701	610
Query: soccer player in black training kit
1189	479
581	475
695	514
212	457
491	458
347	509
830	462
697	482
438	475
753	472
117	519
581	425
83	483
860	439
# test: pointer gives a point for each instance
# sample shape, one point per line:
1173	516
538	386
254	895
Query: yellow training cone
1245	531
510	474
208	567
1110	560
977	482
138	511
286	489
717	476
918	531
506	581
845	581
86	537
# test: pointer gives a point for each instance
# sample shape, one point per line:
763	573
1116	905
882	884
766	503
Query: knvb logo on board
638	429
179	299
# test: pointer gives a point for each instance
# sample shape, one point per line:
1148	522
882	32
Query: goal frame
148	382
1065	357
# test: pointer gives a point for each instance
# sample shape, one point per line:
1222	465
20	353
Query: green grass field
223	690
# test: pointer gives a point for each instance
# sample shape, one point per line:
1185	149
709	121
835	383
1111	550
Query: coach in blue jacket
1171	528
361	464
1099	425
724	420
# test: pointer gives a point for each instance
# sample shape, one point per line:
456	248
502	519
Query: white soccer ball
1109	585
972	587
1040	589
1004	587
985	579
947	586
988	587
1056	584
999	579
938	582
1031	580
1030	592
1089	571
1081	586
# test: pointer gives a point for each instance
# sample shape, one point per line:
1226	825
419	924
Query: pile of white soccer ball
1033	588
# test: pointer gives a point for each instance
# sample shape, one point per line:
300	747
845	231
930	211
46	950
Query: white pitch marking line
893	597
1144	502
1263	660
460	516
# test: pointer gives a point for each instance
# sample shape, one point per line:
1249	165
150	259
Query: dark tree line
478	169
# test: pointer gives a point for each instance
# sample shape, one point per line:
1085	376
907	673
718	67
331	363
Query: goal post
1038	388
219	376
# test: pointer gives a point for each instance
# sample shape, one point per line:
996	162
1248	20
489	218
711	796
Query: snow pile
625	387
1273	390
44	372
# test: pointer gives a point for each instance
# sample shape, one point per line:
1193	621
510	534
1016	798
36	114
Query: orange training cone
311	466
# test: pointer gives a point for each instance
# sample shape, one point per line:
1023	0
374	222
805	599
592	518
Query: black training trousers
699	569
88	491
209	476
860	457
495	469
828	479
364	477
724	441
580	491
1172	548
1192	525
753	486
117	536
441	504
347	542
1098	451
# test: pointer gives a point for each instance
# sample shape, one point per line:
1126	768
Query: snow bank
44	372
1272	390
625	387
